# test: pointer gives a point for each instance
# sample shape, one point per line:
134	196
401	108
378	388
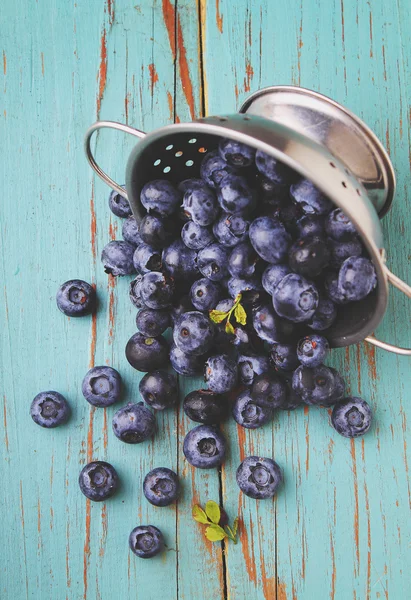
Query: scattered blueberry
338	226
76	298
179	261
351	417
200	205
272	276
146	258
193	333
159	389
147	353
98	480
259	477
243	260
212	262
130	231
188	365
195	236
220	373
357	278
235	195
156	290
314	385
117	258
49	409
309	256
204	406
269	390
229	230
214	168
160	196
332	289
295	298
309	198
204	447
161	486
101	386
134	423
269	239
135	292
236	153
146	541
273	169
324	316
250	365
119	205
339	389
312	350
156	231
152	323
190	184
284	357
249	413
205	294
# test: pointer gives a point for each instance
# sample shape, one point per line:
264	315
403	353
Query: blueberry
338	226
309	198
243	260
179	261
249	287
181	305
204	406
269	239
259	477
312	350
119	205
273	169
146	541
214	168
156	290
188	365
130	231
159	389
229	230
295	298
161	486
309	256
156	231
135	292
76	298
269	390
339	389
196	237
117	258
324	316
147	353
250	365
146	259
205	294
272	276
152	323
351	417
235	195
284	357
98	480
267	325
190	184
101	386
193	333
49	409
249	413
200	205
212	262
134	423
315	386
160	196
340	251
220	373
357	278
236	153
225	305
332	289
310	225
204	447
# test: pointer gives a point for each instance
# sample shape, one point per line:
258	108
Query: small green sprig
211	517
218	316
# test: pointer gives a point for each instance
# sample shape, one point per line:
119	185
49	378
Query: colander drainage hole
189	163
344	184
166	169
157	162
178	154
358	192
192	141
202	150
332	165
169	147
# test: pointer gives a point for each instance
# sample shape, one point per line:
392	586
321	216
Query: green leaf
213	511
229	328
240	314
237	299
217	316
215	533
199	515
235	526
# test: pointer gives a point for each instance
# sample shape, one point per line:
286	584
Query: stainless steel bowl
312	134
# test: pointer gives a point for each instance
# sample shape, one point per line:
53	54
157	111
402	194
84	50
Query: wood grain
340	526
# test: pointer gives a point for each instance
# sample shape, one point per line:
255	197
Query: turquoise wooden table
340	528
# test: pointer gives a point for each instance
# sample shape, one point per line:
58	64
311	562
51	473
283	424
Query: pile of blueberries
248	265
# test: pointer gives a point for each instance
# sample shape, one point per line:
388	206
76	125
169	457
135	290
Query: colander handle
90	157
371	339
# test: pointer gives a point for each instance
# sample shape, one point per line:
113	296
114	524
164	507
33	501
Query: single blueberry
229	230
101	386
76	298
117	258
273	169
272	276
200	205
357	278
204	447
156	231
130	231
332	289
161	486
295	298
188	365
236	153
98	480
339	389
312	350
214	168
324	316
338	226
119	205
205	294
267	325
193	333
310	225
179	261
258	477
309	198
146	258
269	390
235	196
159	389
284	357
160	196
135	292
250	365
134	423
314	385
243	260
340	251
147	353
309	256
212	262
156	290
196	237
249	413
351	417
204	406
250	288
220	373
269	239
49	409
190	184
152	323
146	541
271	193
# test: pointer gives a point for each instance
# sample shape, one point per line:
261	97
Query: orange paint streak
184	70
86	553
358	353
169	16
6	437
170	105
370	354
236	91
367	508
93	342
387	137
102	72
249	559
334	573
281	591
303	551
68	578
93	225
371	53
104	529
241	441
356	511
111	305
42	63
4	63
219	17
112	230
269	583
126	102
110	10
331	445
153	77
385	64
249	72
